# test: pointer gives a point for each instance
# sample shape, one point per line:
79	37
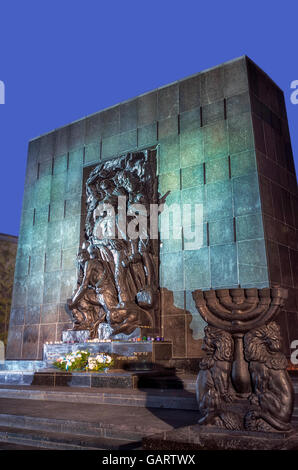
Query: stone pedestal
151	351
210	438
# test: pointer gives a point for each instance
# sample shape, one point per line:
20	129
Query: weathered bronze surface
243	382
118	263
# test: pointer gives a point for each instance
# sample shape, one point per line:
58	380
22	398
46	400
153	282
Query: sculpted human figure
117	281
96	294
273	397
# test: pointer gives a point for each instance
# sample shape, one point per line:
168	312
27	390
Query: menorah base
211	438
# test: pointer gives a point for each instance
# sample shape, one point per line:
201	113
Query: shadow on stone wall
8	250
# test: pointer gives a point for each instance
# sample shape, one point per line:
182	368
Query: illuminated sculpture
118	264
243	382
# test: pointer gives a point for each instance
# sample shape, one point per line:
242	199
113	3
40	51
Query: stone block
17	316
238	104
110	121
75	159
93	128
68	283
73	182
168	101
215	140
128	116
77	134
217	170
69	258
223	260
169	244
61	140
189	93
32	315
71	232
147	109
128	141
252	252
45	168
92	152
54	234
171	271
169	181
235	77
53	261
47	334
58	186
192	176
37	263
190	120
243	163
240	133
194	237
197	269
219	200
249	226
213	112
49	313
47	146
221	231
274	269
30	342
14	342
51	287
246	194
191	143
20	289
60	164
167	127
73	207
41	217
212	85
35	289
253	276
173	324
147	135
110	146
169	156
42	191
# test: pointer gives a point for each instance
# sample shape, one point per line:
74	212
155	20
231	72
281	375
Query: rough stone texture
223	143
202	438
72	336
8	251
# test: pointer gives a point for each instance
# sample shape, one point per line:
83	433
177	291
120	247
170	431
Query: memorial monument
218	140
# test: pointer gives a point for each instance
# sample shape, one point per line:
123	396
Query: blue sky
62	60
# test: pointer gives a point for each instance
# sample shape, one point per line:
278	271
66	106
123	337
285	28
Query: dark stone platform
110	379
198	437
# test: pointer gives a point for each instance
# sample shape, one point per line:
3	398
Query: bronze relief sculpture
118	263
243	383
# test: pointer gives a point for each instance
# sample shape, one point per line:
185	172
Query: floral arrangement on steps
83	361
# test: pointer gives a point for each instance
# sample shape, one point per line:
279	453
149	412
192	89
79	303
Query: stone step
106	421
62	441
150	398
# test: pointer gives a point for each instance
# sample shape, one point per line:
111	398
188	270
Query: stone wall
8	251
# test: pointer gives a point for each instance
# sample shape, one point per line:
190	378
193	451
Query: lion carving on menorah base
272	399
213	388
